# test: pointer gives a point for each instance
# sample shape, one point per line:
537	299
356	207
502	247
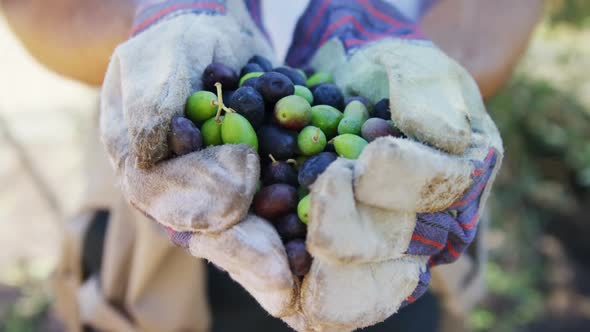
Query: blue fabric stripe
153	11
255	10
355	23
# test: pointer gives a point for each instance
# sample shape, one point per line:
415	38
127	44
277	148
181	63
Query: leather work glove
206	193
379	223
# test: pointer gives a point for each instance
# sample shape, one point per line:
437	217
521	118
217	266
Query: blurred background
539	272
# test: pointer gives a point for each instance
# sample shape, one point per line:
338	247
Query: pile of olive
298	125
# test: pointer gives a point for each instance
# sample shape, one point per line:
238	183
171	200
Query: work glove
206	194
378	224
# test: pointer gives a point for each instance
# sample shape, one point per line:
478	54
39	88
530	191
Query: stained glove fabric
404	201
376	223
206	192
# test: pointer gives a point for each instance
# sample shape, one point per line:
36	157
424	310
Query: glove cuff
150	12
255	10
446	235
355	23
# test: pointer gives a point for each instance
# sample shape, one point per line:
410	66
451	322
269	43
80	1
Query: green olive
319	78
293	112
201	106
349	146
250	75
235	129
326	118
303	209
311	140
304	92
355	115
211	132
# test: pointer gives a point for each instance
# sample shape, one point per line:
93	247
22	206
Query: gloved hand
207	192
202	197
379	223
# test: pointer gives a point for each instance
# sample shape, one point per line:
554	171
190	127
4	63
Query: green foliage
28	313
544	120
546	133
571	12
541	122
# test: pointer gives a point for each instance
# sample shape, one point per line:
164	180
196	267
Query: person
126	276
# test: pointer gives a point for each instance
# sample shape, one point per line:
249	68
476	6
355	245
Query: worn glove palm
205	193
378	223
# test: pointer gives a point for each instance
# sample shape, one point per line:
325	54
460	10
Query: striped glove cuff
354	22
150	12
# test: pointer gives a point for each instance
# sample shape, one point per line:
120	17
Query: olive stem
272	158
292	161
220	105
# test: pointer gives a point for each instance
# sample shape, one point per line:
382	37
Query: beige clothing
146	284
